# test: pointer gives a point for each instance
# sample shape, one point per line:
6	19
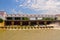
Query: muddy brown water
38	34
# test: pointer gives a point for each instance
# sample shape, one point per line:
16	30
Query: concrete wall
2	24
58	18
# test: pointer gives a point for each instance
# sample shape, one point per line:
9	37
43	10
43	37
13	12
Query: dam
28	20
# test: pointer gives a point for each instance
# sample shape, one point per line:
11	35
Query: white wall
32	18
39	18
58	18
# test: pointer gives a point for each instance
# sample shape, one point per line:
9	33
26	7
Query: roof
2	13
57	14
28	15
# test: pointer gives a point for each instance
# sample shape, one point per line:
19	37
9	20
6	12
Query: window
17	18
9	18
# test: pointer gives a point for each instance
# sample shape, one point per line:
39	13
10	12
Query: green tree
25	18
1	20
48	19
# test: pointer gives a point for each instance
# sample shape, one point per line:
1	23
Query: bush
25	18
48	19
1	20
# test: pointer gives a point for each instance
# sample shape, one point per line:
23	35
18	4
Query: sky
30	6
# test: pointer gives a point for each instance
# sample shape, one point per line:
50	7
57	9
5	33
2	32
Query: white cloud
17	0
20	5
28	1
13	11
53	6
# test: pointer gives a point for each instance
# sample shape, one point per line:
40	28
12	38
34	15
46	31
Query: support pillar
3	23
12	23
20	23
37	23
29	23
45	23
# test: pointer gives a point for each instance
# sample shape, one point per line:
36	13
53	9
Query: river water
38	34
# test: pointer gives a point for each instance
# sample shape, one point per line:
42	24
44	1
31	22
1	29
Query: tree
1	20
25	18
48	19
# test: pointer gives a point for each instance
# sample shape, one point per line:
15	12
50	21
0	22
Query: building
25	19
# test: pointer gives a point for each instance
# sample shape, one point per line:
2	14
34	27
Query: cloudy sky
30	6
